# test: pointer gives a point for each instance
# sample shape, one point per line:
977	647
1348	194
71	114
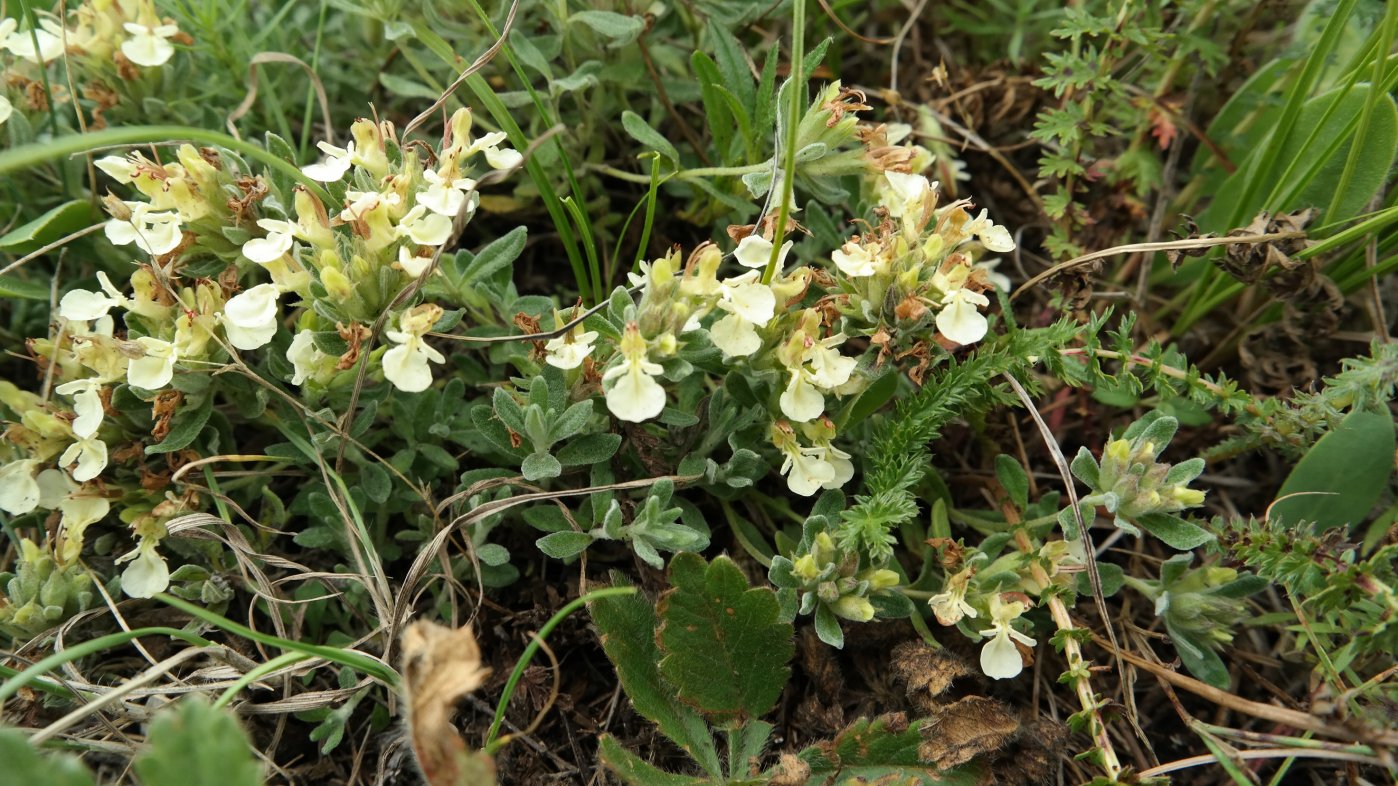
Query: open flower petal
147	574
87	457
959	320
87	403
801	401
156	368
735	337
19	491
999	658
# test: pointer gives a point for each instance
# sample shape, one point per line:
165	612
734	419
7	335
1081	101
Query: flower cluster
104	42
832	583
330	275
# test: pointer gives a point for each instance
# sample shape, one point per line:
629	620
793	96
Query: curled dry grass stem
1167	245
121	691
280	57
1279	715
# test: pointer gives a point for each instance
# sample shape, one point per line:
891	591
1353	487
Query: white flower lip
407	365
424	227
147	574
250	317
754	251
156	368
305	357
634	396
81	305
274	245
959	320
154	232
87	403
334	166
149	46
22	43
87	456
566	354
19	490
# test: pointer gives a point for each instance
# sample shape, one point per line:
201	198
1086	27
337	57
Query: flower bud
336	285
853	607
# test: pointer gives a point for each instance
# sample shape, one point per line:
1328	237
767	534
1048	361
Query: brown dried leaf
926	672
1249	262
956	733
440	666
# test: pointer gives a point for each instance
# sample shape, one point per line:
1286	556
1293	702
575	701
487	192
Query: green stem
797	84
354	660
490	743
650	214
92	647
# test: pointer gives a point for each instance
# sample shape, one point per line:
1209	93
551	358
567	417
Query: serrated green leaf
725	651
193	744
1340	478
626	625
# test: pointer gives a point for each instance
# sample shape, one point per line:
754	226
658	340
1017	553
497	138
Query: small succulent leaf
725	650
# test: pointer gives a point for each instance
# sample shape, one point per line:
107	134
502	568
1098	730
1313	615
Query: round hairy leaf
725	650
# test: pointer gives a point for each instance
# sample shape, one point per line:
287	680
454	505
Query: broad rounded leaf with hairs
726	651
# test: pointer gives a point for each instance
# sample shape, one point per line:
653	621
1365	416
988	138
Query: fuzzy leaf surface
192	744
726	652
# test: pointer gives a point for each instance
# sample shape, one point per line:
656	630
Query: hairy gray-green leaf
565	544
